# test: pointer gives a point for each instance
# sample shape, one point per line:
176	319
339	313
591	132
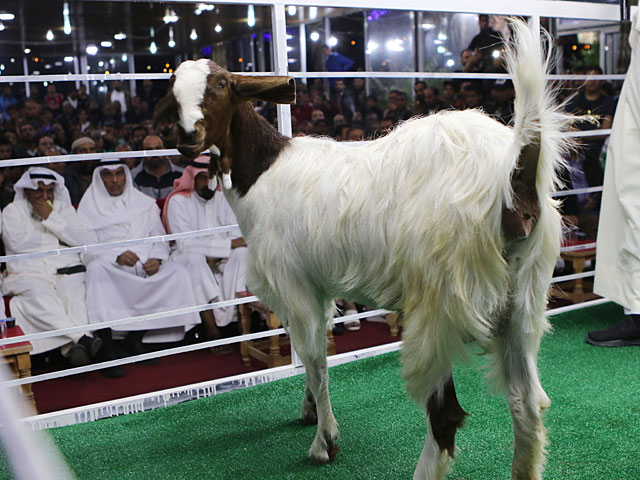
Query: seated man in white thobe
217	263
131	281
47	292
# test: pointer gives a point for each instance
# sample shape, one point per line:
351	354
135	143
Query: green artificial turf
593	423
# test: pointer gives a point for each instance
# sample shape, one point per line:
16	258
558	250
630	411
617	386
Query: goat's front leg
312	349
517	358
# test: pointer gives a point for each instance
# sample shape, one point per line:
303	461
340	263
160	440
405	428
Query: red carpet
174	371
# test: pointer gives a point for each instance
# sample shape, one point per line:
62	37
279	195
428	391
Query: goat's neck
255	145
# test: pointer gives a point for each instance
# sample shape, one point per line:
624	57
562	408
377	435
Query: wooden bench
578	258
268	350
17	356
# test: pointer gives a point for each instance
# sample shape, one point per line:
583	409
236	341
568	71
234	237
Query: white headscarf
101	210
29	180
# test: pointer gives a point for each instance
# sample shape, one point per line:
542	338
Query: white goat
447	219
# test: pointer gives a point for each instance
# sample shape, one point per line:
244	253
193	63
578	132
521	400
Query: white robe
43	300
618	254
115	291
188	213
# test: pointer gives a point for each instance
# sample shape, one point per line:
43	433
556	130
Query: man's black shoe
93	345
622	334
79	356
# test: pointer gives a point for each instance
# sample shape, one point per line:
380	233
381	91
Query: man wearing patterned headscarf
217	263
47	292
131	281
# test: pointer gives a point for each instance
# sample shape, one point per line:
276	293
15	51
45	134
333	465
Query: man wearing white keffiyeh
47	292
131	281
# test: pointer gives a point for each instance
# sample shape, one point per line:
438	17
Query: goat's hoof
324	454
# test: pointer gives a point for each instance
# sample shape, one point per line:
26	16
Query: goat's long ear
269	89
166	109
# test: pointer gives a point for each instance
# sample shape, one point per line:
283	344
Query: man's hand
127	259
151	266
238	242
41	208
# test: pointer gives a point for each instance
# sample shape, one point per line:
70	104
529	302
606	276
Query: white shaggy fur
189	87
413	222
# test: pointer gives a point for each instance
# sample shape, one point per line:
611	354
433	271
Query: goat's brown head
202	99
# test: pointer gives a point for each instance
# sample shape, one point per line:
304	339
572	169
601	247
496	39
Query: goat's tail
539	123
537	154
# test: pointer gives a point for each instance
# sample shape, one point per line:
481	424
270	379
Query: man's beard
206	193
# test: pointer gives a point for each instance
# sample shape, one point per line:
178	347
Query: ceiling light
49	35
292	10
313	12
68	59
124	57
428	26
91	50
204	7
172	43
315	36
27	51
112	61
7	16
120	36
333	41
194	34
153	48
1	26
451	62
170	16
106	44
251	16
101	64
218	28
65	15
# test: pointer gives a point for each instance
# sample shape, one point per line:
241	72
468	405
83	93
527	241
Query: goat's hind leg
517	360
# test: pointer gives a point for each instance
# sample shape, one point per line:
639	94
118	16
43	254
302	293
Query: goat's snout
189	150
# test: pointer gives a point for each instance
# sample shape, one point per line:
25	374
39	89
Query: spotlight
218	28
91	50
153	48
194	34
251	16
315	36
106	44
49	35
120	36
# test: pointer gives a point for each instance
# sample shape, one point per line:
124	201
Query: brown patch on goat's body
255	144
445	416
519	222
